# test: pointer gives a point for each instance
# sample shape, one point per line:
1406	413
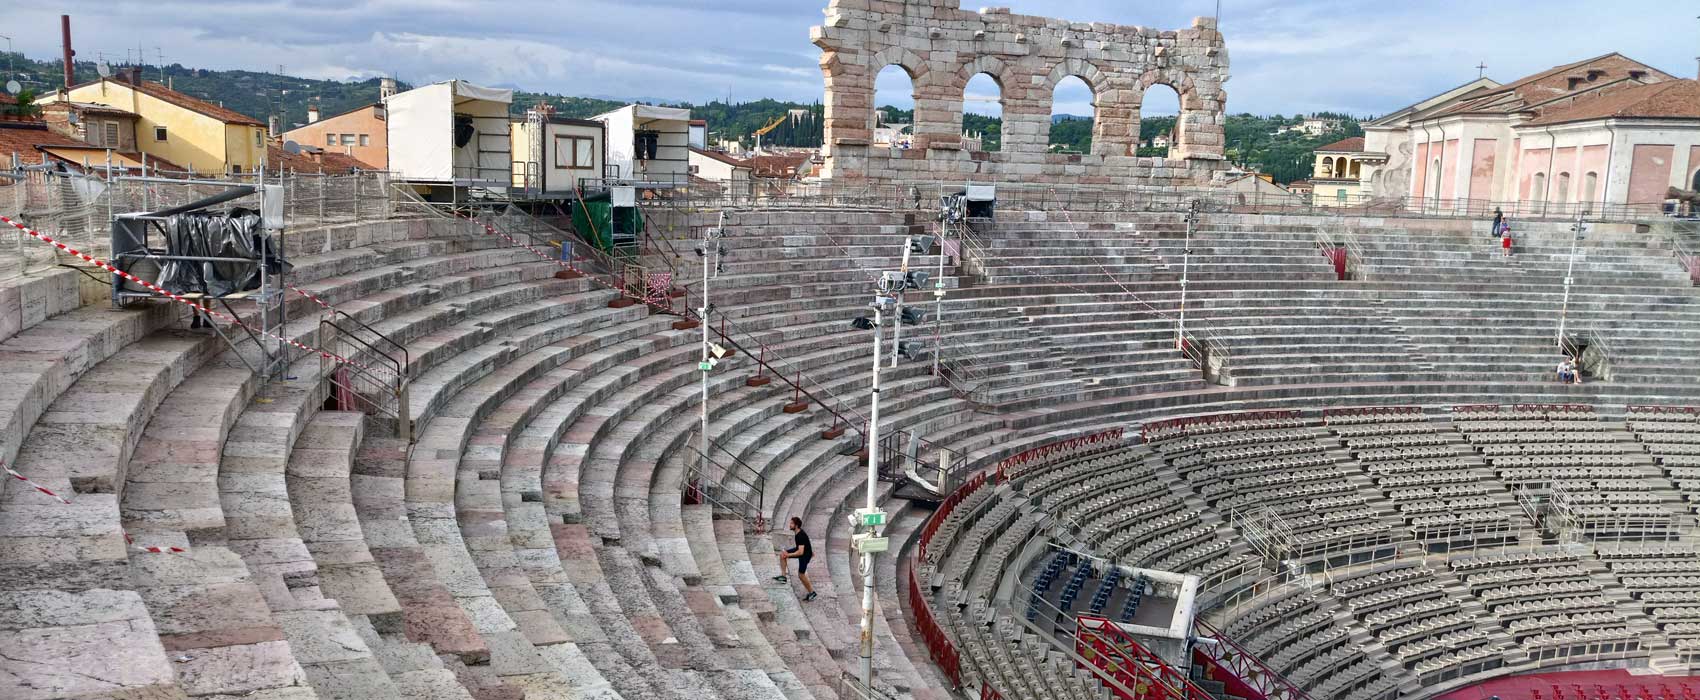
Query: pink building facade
1606	131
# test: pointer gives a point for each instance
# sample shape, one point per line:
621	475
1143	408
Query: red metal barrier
1245	668
1117	655
1023	462
987	692
1377	411
1215	419
1686	410
1337	255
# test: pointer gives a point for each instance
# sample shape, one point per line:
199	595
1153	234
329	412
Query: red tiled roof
1674	99
6	99
318	162
22	138
193	104
1529	92
779	165
1351	145
228	116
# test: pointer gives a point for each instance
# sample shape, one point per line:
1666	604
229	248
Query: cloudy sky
1288	55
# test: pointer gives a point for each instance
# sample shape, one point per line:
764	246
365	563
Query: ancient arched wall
942	46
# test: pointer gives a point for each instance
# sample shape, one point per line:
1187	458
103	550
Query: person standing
1505	238
802	551
1498	220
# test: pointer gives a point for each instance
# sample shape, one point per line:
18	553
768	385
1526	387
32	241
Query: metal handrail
394	388
851	688
1292	692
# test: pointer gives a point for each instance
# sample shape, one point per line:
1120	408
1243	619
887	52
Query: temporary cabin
451	133
648	146
554	154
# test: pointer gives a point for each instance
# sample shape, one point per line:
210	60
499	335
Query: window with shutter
110	135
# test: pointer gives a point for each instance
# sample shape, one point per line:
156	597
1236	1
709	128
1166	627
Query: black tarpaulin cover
237	234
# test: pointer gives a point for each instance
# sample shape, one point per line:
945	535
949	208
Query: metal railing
919	196
739	489
77	208
1591	351
376	384
850	687
1233	658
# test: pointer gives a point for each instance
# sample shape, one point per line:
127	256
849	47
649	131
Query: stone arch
1184	140
1694	183
1115	122
913	65
951	92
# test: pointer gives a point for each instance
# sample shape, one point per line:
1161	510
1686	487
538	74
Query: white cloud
1287	55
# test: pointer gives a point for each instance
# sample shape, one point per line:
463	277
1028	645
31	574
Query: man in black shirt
802	551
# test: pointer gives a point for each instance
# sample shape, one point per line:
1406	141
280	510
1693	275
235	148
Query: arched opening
894	108
1434	167
1562	194
1073	112
982	114
1327	167
1159	121
1357	169
1538	188
1590	186
1695	185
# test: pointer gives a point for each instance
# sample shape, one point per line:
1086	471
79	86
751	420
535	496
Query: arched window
1434	168
1073	111
1159	115
1327	167
1538	188
894	108
1357	169
1590	187
1562	196
982	113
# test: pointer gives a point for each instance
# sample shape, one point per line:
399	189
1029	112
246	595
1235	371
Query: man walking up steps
802	551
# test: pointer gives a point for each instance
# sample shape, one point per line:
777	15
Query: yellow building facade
181	129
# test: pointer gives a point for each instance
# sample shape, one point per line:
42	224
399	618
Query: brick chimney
312	113
131	75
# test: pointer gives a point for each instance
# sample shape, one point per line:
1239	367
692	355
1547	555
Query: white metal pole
1186	266
873	484
709	249
897	321
1569	274
938	302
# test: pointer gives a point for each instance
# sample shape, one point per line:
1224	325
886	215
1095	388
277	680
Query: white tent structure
451	133
649	145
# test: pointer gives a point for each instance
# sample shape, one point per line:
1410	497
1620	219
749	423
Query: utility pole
938	300
1569	278
870	517
710	261
897	319
1186	266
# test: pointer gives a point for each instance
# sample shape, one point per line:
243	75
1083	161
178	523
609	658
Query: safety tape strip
32	484
109	267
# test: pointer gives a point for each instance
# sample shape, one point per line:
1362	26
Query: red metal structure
1118	655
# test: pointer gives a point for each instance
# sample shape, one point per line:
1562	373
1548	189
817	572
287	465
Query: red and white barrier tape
310	295
109	267
32	484
154	549
127	539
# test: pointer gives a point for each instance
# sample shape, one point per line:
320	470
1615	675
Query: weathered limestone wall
941	47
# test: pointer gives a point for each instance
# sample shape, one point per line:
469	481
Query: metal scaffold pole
867	669
1186	266
1569	278
938	302
710	255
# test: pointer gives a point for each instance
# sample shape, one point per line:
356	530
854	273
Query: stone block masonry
941	46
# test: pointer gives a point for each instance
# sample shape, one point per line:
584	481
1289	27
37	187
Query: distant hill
1249	139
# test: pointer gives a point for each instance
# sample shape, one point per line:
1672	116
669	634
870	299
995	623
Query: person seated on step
802	551
1567	372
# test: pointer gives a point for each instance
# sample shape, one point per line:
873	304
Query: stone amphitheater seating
537	541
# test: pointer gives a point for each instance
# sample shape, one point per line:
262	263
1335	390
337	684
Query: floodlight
913	316
862	323
912	349
920	244
916	279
